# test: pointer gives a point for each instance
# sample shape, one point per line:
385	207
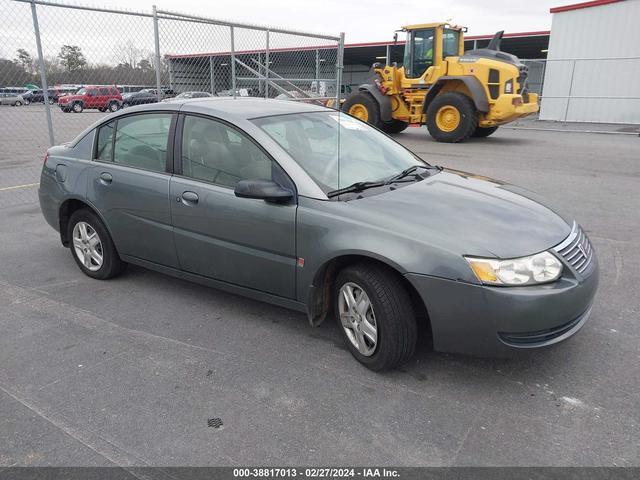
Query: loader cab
428	44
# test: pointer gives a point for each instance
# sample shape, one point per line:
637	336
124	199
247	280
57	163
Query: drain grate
214	422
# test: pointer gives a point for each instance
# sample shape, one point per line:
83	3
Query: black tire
51	101
468	117
394	126
371	104
102	109
66	110
17	104
112	265
125	104
394	315
482	132
77	107
114	107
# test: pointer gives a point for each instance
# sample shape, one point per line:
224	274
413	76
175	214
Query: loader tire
482	132
452	117
363	106
394	126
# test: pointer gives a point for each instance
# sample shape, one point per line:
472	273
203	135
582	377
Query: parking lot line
15	187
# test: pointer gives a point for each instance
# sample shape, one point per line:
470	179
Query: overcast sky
364	20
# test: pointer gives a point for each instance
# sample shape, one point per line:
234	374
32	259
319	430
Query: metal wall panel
593	66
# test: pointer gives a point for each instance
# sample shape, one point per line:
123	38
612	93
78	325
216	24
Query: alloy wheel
358	318
88	246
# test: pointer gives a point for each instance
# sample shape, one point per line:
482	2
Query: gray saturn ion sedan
308	208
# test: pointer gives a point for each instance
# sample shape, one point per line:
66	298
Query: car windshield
82	91
337	150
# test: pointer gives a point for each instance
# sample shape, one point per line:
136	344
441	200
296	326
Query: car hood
66	98
467	214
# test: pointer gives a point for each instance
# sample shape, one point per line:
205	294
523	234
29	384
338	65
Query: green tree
72	58
26	60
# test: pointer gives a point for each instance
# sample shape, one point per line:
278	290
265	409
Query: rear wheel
394	126
113	107
78	107
482	132
451	117
51	101
91	246
364	107
375	315
17	104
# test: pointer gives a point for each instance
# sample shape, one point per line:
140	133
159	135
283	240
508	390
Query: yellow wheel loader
456	94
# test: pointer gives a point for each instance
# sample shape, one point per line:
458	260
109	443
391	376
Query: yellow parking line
15	187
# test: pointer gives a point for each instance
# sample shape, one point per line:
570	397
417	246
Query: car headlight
540	268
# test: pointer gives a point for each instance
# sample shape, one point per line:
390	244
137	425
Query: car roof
248	107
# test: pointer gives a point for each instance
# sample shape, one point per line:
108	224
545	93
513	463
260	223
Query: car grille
576	249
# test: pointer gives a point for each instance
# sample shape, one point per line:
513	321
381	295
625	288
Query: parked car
240	92
11	99
145	95
99	97
311	209
188	95
37	96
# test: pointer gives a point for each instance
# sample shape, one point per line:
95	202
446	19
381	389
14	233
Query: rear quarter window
104	145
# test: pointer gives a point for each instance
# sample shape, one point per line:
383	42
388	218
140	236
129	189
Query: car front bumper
499	321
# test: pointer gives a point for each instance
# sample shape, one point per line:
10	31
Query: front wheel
78	107
482	132
114	107
51	101
364	107
451	117
375	315
17	104
92	247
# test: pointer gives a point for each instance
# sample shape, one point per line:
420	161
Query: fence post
266	68
339	67
212	80
156	35
233	62
573	70
43	74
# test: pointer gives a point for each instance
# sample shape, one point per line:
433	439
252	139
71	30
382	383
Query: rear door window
142	141
104	91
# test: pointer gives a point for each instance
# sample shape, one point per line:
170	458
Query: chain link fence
57	59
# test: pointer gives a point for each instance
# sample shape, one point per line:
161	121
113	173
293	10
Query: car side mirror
266	190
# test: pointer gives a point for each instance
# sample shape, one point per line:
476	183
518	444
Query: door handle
190	198
106	178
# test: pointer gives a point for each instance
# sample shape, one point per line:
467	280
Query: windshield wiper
409	171
355	187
